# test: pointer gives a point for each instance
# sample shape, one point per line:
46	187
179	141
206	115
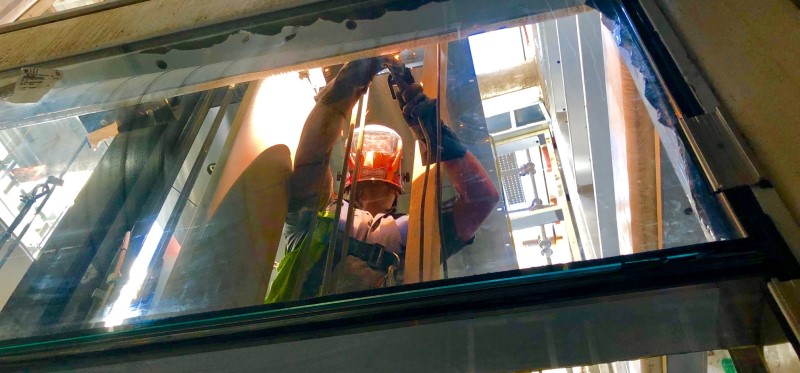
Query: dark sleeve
296	227
450	241
298	223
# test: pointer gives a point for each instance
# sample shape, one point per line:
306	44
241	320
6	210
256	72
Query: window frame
762	253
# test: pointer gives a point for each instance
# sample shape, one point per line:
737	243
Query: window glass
295	165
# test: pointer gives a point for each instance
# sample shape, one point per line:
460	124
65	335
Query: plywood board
633	156
423	260
123	25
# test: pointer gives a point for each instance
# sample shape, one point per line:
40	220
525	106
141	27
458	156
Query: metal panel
552	59
509	178
529	219
517	144
724	159
598	131
786	296
776	209
695	362
569	43
573	128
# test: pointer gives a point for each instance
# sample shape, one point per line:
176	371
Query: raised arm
311	175
477	194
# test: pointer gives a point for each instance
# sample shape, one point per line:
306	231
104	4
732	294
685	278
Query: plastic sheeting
716	223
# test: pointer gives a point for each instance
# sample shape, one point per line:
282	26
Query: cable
326	276
423	198
348	227
442	248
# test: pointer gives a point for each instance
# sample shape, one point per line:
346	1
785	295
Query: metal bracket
723	156
785	296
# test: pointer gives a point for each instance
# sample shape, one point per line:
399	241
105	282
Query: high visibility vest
306	261
297	265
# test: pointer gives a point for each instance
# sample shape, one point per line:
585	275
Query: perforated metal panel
509	176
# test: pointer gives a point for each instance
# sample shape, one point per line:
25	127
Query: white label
34	83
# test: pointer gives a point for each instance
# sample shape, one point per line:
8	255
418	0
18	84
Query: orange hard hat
381	155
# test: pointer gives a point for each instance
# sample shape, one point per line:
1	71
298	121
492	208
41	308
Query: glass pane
280	168
604	173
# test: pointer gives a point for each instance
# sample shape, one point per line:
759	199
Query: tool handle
400	78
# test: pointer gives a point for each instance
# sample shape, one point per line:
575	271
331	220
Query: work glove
351	83
419	111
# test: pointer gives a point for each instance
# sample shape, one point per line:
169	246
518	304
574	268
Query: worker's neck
374	208
374	197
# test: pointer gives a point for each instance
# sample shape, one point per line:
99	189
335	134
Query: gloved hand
353	79
419	111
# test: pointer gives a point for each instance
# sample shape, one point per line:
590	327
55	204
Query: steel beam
598	130
575	131
569	42
552	59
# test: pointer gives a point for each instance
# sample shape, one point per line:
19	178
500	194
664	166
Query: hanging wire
422	201
327	282
442	248
362	114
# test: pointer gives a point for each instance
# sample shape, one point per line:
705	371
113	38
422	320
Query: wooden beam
423	259
114	27
634	155
659	192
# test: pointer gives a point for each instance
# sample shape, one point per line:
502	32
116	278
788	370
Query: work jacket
301	271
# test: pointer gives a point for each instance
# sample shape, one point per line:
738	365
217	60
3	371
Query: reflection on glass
44	168
504	150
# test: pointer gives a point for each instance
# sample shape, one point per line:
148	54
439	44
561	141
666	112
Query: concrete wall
748	51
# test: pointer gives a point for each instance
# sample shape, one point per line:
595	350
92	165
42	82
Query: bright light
122	309
496	50
511	101
281	106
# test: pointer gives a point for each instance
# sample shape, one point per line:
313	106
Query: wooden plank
430	249
653	364
633	156
659	192
115	27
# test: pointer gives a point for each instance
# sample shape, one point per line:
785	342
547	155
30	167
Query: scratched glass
222	172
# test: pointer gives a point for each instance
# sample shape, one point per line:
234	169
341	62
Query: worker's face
374	196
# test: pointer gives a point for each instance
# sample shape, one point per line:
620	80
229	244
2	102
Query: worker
377	239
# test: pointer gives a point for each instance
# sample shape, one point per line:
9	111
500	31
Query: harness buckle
375	258
391	273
